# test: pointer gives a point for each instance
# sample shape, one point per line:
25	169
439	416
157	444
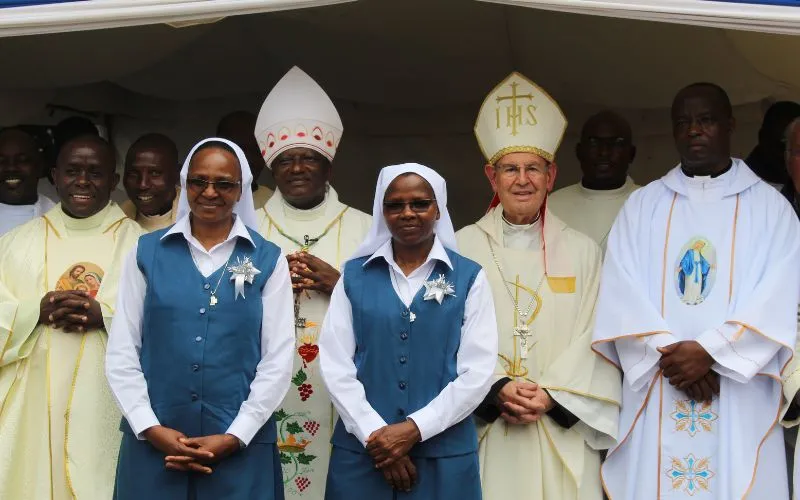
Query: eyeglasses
199	185
417	206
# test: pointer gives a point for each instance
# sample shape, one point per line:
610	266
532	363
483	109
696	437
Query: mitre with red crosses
297	113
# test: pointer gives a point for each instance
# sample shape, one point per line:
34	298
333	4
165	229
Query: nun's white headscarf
379	232
244	207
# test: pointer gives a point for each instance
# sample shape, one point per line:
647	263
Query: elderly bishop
555	403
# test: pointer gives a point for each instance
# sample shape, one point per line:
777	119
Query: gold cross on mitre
514	111
519	116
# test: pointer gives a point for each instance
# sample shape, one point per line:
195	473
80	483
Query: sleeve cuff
142	419
245	428
428	423
488	410
560	415
368	425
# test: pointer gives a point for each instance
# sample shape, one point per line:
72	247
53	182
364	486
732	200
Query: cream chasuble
590	211
306	418
712	260
154	222
59	423
544	461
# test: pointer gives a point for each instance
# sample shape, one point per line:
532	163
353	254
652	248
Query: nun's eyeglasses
199	185
418	206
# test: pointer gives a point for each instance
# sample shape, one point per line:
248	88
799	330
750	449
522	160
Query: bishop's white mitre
297	113
519	117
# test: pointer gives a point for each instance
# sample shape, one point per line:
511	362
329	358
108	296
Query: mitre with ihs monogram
519	116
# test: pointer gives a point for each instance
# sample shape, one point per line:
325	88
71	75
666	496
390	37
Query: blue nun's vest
404	358
198	361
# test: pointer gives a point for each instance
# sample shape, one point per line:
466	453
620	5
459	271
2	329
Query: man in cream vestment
605	152
555	403
698	307
151	182
299	130
59	424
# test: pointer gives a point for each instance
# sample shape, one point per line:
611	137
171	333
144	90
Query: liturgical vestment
59	423
306	418
543	460
711	260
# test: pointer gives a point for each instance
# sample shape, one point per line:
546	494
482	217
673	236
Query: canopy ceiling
407	75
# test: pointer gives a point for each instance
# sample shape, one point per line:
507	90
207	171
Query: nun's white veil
379	232
244	207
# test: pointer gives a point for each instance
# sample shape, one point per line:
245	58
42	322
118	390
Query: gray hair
789	132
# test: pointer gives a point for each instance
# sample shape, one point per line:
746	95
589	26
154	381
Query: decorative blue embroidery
693	417
690	474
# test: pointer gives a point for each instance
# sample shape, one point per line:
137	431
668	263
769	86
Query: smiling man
298	131
697	305
605	152
21	165
554	403
151	181
59	423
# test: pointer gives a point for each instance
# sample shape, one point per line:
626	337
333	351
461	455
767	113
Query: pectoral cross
307	243
523	332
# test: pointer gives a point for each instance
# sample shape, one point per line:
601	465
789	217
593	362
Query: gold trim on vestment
561	284
50	224
67	414
48	336
733	250
579	393
558	453
521	149
758	332
660	425
769	431
666	245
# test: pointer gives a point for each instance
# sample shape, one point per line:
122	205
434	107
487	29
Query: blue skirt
353	475
253	473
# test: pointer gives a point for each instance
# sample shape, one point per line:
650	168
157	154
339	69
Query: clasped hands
523	403
185	454
389	447
70	311
311	273
687	365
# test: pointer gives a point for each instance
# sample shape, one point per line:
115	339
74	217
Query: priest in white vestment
21	165
59	426
151	182
702	364
605	152
299	129
554	403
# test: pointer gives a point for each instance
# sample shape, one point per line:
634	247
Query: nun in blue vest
407	351
200	350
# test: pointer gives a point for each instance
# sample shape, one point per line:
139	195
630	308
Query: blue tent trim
786	3
27	3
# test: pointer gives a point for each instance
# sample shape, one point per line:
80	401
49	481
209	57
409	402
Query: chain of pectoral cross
521	330
300	322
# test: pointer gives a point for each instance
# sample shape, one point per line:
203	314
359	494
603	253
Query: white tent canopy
408	75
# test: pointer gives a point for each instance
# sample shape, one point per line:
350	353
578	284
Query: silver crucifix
523	332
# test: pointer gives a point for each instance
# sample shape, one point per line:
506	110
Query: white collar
183	227
437	253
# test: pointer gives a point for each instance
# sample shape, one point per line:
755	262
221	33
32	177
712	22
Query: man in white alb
697	306
21	165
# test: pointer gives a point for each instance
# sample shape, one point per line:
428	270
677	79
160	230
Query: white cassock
12	216
590	211
543	460
306	417
670	446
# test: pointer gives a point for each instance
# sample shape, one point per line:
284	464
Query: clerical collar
295	213
91	222
713	176
522	236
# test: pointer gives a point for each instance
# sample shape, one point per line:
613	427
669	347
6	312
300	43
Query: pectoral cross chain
307	242
523	332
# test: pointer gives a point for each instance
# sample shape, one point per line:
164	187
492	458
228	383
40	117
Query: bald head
21	166
239	127
702	125
605	151
151	174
